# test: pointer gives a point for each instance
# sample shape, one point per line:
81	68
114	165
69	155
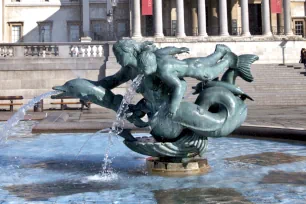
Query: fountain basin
48	168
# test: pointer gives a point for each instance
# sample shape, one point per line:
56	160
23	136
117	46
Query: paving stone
199	196
44	191
56	117
267	158
298	178
4	116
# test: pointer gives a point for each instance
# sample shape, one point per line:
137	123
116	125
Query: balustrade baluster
39	50
5	51
94	50
77	51
32	50
26	51
89	50
11	51
83	51
100	50
56	50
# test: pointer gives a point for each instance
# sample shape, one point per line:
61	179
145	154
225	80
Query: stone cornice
42	4
191	39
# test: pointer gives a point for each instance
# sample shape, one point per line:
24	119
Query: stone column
158	18
180	31
223	18
202	18
266	25
245	18
86	20
287	17
194	14
214	18
136	19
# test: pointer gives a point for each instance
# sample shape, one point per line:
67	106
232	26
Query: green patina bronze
179	129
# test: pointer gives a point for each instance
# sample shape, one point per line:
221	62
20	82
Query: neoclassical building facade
104	20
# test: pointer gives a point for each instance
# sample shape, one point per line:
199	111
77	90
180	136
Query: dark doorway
255	19
149	26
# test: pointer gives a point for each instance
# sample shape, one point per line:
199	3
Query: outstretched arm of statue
172	50
115	80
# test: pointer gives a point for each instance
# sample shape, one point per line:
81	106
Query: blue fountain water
35	162
7	129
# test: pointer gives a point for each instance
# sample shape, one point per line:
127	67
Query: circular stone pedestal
193	167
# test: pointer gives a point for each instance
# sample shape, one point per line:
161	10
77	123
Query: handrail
54	43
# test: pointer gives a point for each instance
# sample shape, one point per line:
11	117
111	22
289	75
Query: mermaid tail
239	66
244	66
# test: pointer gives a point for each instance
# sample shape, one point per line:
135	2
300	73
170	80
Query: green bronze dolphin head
88	91
78	88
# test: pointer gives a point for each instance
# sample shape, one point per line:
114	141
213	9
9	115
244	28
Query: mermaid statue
179	128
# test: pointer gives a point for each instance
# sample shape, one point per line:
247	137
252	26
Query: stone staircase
273	85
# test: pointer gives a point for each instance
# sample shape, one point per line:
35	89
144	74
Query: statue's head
147	63
127	51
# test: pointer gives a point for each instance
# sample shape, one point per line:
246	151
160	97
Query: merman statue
179	128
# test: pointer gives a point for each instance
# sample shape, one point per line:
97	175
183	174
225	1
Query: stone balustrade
87	51
6	51
53	50
41	50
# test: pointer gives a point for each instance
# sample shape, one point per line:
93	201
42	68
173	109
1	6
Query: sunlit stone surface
200	195
298	178
267	158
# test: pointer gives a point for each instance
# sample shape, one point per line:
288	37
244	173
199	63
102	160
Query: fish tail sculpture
241	66
219	108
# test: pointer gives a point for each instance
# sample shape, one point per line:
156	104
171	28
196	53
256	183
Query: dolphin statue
218	110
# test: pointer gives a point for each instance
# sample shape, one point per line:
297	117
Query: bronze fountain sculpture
179	129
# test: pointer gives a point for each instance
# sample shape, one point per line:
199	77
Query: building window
121	29
16	30
299	28
45	31
99	30
16	33
73	32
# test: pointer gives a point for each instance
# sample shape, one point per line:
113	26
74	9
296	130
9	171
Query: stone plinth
163	168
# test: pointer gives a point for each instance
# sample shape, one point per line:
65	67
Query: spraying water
19	115
118	124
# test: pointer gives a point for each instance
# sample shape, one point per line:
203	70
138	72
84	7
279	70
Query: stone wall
34	76
271	50
57	15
